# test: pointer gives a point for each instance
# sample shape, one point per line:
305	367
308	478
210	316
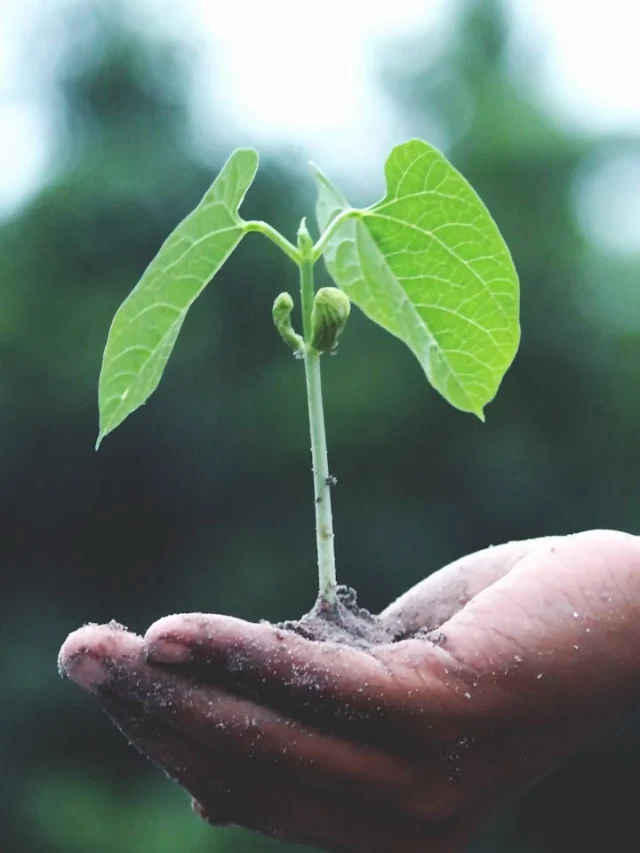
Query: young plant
427	263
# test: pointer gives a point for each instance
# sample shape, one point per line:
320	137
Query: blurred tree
201	501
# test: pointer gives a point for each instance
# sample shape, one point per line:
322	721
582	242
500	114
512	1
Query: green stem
321	479
321	245
275	236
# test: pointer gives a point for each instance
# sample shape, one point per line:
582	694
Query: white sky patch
590	69
23	131
303	73
608	203
24	152
291	66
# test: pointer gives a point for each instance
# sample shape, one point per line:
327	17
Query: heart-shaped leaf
428	264
145	327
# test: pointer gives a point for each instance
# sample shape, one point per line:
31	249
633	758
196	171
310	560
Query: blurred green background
203	499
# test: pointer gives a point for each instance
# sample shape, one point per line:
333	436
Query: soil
343	622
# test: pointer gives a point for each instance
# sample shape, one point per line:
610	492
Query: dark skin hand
411	746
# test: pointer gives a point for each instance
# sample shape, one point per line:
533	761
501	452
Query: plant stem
321	479
320	246
275	236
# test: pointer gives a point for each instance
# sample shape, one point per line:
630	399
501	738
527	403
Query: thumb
565	619
436	599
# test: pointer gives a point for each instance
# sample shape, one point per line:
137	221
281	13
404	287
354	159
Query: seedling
427	263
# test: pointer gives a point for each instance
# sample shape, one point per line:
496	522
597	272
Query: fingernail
87	672
168	651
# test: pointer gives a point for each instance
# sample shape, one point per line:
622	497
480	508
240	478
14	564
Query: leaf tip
246	149
318	174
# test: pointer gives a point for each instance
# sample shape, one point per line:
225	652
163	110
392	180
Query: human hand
409	746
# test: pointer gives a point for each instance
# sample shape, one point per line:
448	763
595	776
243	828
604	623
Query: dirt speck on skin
343	622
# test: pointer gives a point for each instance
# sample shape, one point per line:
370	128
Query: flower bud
331	309
281	313
305	243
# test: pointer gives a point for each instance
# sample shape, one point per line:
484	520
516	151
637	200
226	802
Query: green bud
305	243
331	309
281	313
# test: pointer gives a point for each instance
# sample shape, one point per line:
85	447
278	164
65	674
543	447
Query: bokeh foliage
202	501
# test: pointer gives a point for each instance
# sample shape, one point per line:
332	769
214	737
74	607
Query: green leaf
428	264
145	327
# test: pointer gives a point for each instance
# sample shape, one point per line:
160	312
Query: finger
85	654
341	827
347	690
178	756
564	625
436	599
86	657
254	737
245	656
261	802
230	794
258	801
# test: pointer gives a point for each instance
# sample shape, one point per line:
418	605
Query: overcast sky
590	71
